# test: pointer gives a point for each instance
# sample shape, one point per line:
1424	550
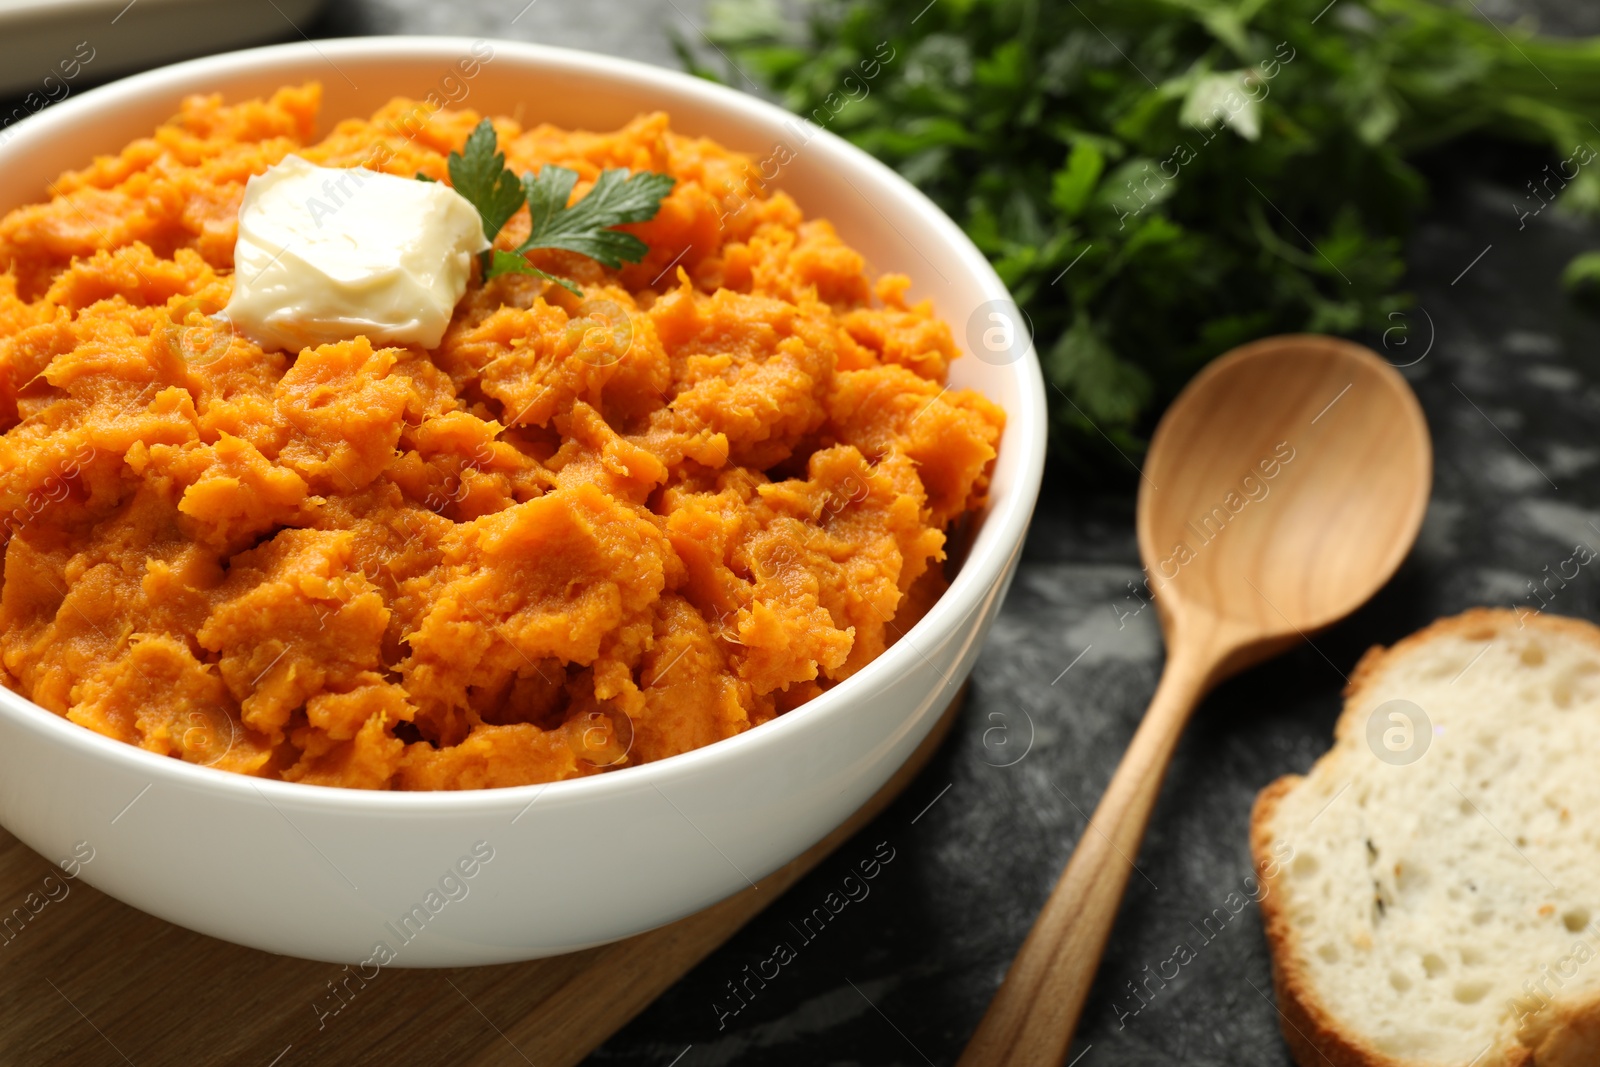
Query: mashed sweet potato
579	534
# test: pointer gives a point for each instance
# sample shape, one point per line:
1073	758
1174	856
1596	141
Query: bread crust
1565	1034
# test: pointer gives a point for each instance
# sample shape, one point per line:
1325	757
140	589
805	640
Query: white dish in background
326	873
38	36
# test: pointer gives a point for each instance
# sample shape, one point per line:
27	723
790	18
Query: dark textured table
1509	384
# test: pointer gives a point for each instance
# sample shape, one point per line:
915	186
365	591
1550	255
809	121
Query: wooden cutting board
87	980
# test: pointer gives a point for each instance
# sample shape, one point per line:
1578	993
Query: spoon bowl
1282	489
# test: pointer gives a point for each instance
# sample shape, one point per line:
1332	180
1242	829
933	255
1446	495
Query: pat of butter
325	254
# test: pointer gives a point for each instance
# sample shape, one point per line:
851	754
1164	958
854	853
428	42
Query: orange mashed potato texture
579	534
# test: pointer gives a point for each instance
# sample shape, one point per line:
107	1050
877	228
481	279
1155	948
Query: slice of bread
1431	889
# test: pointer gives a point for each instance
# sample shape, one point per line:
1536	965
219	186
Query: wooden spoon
1282	489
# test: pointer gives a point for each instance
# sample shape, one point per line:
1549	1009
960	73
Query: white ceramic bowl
329	873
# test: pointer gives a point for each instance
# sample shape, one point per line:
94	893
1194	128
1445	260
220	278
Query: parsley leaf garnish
516	263
479	174
584	227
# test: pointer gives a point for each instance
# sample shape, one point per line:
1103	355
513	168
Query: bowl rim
997	546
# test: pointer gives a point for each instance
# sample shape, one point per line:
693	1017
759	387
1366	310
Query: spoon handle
1031	1019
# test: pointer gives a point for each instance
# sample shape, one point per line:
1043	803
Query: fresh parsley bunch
479	174
1159	180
